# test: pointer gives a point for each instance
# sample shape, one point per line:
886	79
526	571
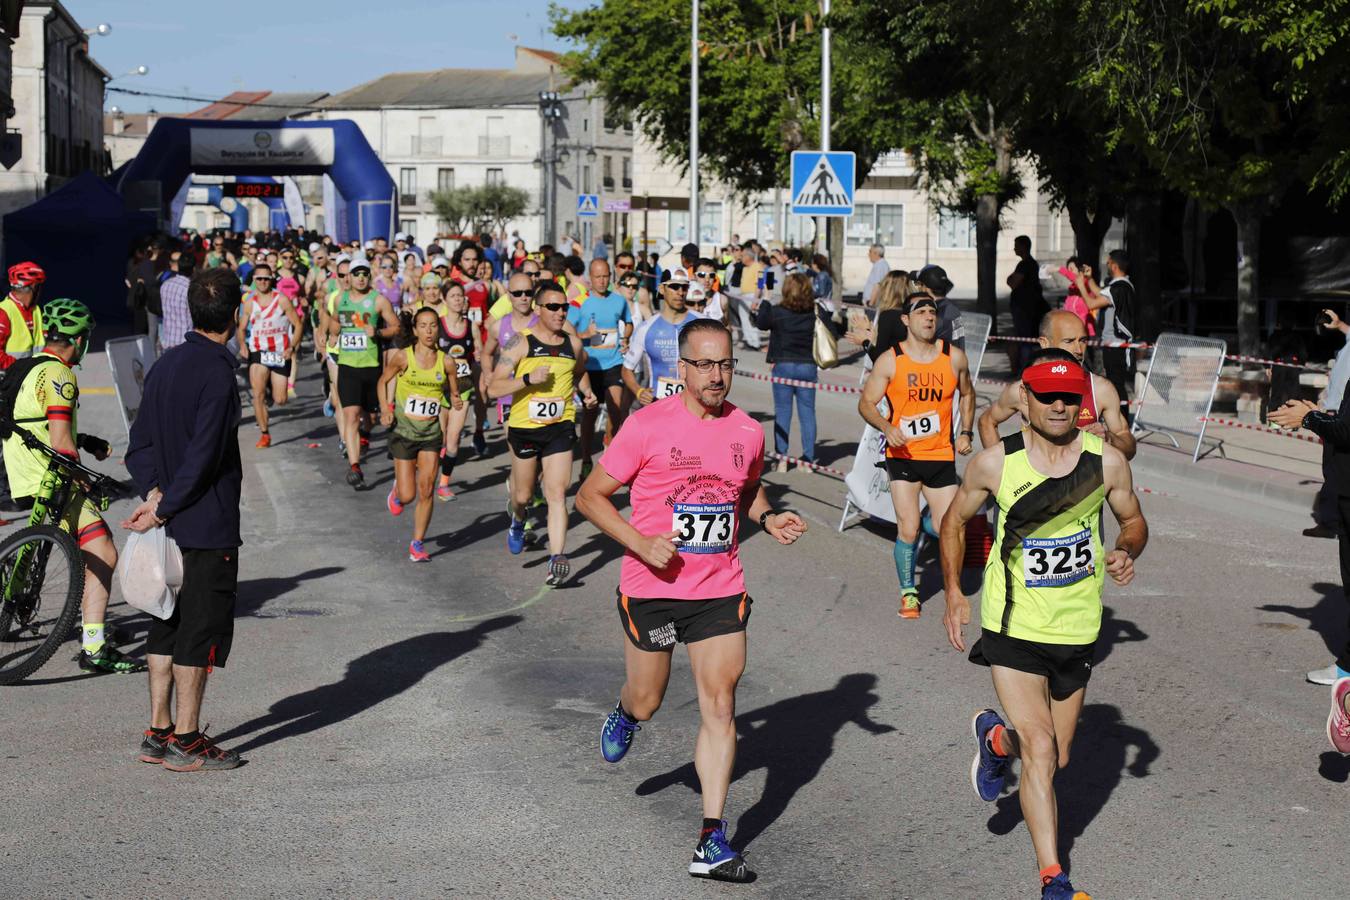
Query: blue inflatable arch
178	148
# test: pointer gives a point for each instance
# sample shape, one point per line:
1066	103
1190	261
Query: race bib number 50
704	527
668	387
1056	562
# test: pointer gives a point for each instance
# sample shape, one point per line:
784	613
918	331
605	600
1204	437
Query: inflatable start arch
178	148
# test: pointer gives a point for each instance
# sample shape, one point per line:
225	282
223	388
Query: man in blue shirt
655	345
605	323
184	458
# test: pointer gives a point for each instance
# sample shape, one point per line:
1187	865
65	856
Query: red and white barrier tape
1092	342
801	462
818	385
1268	429
1135	345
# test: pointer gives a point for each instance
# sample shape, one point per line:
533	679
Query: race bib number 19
923	426
1056	562
704	527
668	387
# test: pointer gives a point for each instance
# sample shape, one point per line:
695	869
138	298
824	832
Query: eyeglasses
630	285
623	267
706	365
677	285
553	307
386	268
525	293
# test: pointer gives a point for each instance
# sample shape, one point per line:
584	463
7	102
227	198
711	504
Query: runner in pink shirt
692	463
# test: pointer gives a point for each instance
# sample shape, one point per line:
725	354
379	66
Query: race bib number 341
704	527
352	340
1056	562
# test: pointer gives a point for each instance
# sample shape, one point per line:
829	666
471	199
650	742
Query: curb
1236	479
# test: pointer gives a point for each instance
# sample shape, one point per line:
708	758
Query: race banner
262	147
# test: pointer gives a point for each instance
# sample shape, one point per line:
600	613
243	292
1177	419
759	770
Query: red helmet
26	274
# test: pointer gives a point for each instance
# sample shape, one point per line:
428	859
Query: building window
608	164
611	123
407	226
407	187
678	230
891	224
798	231
445	179
764	224
710	223
627	172
496	176
860	229
956	231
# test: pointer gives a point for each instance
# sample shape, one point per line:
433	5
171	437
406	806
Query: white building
448	128
124	134
890	209
57	93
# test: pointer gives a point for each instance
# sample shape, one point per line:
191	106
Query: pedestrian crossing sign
822	183
588	204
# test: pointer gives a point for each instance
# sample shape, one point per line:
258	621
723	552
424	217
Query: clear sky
209	50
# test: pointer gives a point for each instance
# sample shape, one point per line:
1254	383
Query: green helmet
66	317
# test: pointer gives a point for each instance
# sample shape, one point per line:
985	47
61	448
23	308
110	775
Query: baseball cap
1055	376
314	247
431	279
360	262
369	245
400	236
696	292
679	276
342	258
440	261
935	279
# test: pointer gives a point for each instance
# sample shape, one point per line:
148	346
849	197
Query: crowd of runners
633	367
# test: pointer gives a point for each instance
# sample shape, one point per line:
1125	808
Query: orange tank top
920	395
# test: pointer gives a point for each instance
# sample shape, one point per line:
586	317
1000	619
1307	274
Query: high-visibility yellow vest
22	340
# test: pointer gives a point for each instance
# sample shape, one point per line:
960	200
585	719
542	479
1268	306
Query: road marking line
540	595
97	390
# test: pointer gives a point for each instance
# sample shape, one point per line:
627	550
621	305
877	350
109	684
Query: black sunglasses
628	284
705	274
553	307
677	285
525	293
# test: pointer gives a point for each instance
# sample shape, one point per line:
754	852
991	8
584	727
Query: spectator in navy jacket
184	458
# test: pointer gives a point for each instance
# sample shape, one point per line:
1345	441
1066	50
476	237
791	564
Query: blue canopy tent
177	148
81	235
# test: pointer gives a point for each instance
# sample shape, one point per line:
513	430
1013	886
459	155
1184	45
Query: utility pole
693	127
550	110
834	224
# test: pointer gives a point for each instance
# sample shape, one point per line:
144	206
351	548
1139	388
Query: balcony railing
424	145
493	146
609	182
407	200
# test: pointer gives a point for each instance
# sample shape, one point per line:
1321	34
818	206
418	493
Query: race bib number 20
545	410
1056	562
704	527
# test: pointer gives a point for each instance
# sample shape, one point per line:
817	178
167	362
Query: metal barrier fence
1179	389
867	486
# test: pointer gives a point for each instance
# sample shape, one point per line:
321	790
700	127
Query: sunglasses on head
553	307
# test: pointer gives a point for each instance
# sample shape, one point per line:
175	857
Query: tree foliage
487	207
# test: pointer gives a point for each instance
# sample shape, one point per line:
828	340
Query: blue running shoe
617	735
714	858
988	771
515	536
1058	888
328	408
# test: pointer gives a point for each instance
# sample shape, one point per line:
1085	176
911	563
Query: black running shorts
358	386
201	629
933	473
255	359
1067	666
658	624
604	379
545	440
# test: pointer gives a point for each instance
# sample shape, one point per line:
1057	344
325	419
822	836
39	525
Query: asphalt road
432	730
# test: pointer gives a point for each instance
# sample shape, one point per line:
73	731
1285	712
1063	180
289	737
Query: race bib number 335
1056	562
704	527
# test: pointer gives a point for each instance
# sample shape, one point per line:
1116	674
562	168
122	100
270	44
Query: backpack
10	385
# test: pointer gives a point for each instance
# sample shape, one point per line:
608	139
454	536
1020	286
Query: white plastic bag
150	572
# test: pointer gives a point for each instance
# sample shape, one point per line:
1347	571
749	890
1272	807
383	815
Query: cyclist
44	405
20	317
273	328
423	377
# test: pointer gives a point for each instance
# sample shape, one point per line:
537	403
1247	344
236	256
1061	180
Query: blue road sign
588	205
822	183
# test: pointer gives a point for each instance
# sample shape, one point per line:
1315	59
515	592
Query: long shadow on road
370	680
1326	616
256	592
1096	767
791	740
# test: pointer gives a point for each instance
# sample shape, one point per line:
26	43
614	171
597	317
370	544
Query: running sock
618	708
161	732
92	637
996	740
448	462
904	563
186	739
1049	873
709	826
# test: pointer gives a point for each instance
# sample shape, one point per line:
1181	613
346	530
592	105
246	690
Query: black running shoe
356	478
558	570
153	747
201	755
109	660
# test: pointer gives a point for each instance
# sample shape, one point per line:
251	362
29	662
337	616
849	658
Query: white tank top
269	331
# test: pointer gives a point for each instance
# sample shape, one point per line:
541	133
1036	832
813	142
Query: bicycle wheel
41	583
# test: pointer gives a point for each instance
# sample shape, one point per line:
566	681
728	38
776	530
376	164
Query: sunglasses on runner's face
706	365
532	274
705	274
525	293
553	307
623	267
677	286
630	285
262	277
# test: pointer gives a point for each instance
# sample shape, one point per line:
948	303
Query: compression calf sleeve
904	563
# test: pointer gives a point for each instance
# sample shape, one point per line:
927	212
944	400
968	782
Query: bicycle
33	625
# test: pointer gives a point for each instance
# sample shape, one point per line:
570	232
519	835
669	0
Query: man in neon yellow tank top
1042	599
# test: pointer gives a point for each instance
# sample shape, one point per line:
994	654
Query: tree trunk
986	255
1088	232
1143	223
1248	218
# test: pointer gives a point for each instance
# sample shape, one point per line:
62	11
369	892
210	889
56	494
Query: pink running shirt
687	474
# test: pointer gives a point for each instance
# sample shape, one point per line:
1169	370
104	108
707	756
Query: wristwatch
969	434
765	515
